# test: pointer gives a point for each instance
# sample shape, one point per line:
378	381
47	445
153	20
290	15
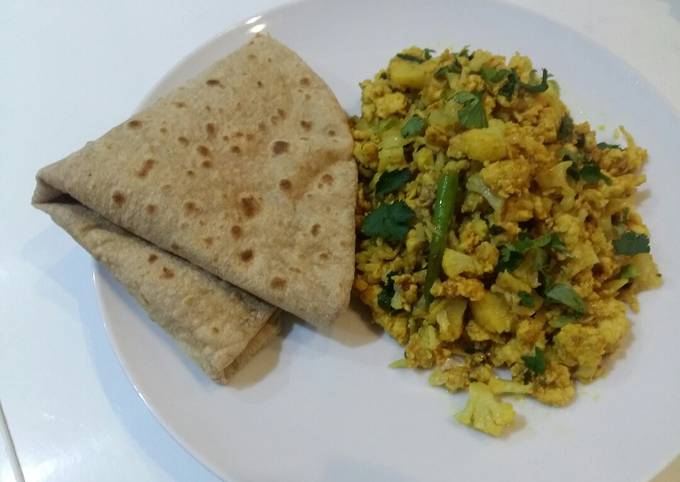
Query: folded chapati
217	324
245	171
241	177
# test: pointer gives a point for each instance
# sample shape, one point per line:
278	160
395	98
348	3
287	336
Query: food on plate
245	172
217	324
495	232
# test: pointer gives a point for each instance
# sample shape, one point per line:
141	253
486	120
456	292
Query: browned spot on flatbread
150	209
183	140
262	126
285	184
174	246
207	164
235	149
152	258
260	84
308	97
213	83
118	198
315	229
167	273
327	179
295	270
331	132
305	81
274	120
208	241
163	130
279	147
249	136
203	150
278	283
215	330
146	168
179	105
190	173
210	129
246	255
324	256
252	56
191	208
250	206
225	138
281	112
239	134
236	231
134	124
306	125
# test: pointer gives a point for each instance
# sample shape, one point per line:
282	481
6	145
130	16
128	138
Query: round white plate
324	406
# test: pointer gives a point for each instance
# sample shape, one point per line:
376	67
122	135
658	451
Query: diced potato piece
454	263
406	74
486	144
492	313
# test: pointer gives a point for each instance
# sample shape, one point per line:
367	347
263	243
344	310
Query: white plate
325	407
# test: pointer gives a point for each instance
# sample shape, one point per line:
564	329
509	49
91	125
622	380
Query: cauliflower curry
494	232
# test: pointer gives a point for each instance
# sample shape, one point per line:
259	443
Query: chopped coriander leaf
605	145
525	299
630	243
392	181
566	130
591	173
454	68
493	76
472	115
495	229
413	127
508	89
629	272
536	88
465	52
410	58
427	53
389	221
540	259
509	259
565	294
535	362
385	296
562	320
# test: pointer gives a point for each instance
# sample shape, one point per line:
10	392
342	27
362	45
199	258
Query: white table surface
68	71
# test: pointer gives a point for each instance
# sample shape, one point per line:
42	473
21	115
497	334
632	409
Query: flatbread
217	324
244	171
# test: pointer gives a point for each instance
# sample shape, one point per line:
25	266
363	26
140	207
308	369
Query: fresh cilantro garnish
389	221
565	294
574	156
508	89
566	130
605	145
427	53
465	52
535	362
628	272
511	255
453	67
591	173
410	58
472	114
492	75
385	296
525	299
392	181
562	320
495	229
536	88
413	127
630	243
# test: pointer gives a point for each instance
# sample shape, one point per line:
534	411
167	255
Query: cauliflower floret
473	289
500	386
485	412
554	387
492	313
508	177
455	263
581	347
392	103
